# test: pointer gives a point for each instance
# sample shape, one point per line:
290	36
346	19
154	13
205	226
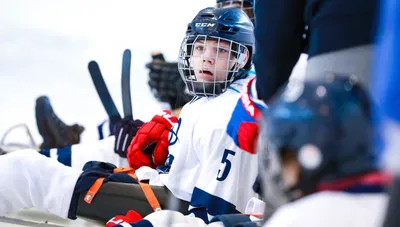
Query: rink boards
37	218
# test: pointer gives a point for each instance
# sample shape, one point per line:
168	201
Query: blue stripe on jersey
239	115
100	131
232	88
104	131
64	155
252	72
200	213
231	220
45	152
205	203
142	223
164	169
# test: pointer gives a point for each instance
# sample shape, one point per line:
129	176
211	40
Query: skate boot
55	132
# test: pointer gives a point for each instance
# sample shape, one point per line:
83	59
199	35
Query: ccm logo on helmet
207	25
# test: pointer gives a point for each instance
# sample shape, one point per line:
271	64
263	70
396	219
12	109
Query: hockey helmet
325	125
216	50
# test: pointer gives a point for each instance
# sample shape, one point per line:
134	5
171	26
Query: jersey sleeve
226	176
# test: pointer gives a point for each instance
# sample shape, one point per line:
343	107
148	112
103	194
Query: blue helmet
216	35
326	125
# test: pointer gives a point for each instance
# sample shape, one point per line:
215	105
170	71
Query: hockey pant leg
30	180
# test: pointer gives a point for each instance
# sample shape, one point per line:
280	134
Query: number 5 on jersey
224	171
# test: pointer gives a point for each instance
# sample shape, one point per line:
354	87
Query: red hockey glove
150	145
130	217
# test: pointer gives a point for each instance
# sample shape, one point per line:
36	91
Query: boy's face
212	60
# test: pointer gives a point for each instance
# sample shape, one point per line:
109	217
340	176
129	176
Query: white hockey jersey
332	209
206	167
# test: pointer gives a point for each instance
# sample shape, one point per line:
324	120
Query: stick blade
126	84
102	91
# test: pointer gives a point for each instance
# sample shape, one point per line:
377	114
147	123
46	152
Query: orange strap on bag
146	188
149	194
93	190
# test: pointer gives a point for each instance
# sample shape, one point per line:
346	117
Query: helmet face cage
246	6
209	64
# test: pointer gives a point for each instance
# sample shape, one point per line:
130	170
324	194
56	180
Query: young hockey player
317	163
164	79
207	169
317	158
166	86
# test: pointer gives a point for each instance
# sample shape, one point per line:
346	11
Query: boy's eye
222	50
200	48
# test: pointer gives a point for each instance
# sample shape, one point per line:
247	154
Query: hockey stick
126	85
103	92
